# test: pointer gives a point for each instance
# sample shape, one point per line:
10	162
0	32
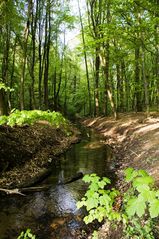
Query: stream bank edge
42	144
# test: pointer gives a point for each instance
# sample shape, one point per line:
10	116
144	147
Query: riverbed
52	214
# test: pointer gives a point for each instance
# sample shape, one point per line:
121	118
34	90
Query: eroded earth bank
133	137
27	152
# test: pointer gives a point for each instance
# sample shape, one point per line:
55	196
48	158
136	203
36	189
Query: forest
79	119
114	68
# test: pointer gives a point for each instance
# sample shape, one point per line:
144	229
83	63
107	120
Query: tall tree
24	57
85	59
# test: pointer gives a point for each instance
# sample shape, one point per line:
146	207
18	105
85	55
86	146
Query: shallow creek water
52	214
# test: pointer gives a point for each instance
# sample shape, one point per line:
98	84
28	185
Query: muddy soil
28	152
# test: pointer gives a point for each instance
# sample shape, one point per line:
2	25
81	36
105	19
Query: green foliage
25	117
95	235
5	88
139	206
142	196
99	202
26	235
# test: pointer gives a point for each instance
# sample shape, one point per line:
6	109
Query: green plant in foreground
139	206
26	235
99	202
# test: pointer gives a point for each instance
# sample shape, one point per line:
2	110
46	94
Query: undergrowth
26	235
136	209
24	117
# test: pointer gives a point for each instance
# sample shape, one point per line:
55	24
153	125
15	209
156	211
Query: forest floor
28	152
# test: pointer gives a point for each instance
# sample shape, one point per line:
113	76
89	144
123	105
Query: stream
52	214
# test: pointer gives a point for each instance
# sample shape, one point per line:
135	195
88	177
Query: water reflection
53	213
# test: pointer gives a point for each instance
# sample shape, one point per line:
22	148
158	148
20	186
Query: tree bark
3	109
47	48
85	59
138	90
40	34
25	48
33	37
157	53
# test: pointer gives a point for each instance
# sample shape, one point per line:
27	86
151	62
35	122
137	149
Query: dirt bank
28	152
134	139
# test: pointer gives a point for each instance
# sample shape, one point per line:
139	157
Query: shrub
138	208
25	117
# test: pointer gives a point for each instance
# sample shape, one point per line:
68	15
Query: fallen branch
11	191
20	191
35	189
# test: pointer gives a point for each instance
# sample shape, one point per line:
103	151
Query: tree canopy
114	68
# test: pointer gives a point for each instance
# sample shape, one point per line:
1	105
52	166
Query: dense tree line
119	49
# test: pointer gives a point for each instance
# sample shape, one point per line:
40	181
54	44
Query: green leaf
87	178
157	193
114	193
104	199
91	203
154	208
93	186
136	206
143	173
89	193
148	180
107	180
101	184
95	235
131	207
80	204
148	195
130	174
142	187
140	210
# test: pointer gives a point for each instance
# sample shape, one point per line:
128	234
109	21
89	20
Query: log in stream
21	191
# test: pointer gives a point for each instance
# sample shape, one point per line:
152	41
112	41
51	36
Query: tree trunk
157	54
145	83
5	71
108	92
25	47
60	74
47	48
85	59
138	90
97	66
33	37
40	34
12	74
3	108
